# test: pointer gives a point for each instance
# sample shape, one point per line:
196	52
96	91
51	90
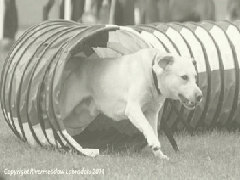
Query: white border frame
2	12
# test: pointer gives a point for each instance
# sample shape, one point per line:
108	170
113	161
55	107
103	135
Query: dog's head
177	77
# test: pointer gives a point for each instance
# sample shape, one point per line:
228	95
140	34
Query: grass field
213	155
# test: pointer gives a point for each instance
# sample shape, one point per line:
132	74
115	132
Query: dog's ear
165	61
161	61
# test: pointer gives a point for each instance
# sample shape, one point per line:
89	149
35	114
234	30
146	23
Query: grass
213	155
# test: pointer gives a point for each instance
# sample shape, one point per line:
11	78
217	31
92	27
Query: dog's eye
185	77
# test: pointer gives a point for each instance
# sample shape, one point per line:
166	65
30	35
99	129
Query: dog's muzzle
191	104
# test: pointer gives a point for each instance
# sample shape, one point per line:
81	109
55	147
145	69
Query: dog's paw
160	154
154	143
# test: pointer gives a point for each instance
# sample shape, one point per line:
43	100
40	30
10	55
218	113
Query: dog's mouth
188	104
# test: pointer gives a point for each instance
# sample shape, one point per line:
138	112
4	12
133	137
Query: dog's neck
151	76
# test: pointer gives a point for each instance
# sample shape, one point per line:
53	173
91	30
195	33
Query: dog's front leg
152	117
136	116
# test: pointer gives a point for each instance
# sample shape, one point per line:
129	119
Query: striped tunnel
40	61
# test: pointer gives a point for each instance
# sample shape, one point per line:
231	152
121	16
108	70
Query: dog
132	87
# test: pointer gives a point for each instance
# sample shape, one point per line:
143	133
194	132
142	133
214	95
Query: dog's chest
115	107
115	111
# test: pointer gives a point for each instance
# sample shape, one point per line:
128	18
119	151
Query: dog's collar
155	80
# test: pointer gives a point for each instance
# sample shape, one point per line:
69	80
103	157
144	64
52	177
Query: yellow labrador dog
132	87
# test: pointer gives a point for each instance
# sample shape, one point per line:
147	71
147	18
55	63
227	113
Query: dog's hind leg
136	116
81	116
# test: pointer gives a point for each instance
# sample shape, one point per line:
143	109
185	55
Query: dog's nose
199	97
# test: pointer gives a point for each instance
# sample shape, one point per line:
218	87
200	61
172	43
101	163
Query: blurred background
18	15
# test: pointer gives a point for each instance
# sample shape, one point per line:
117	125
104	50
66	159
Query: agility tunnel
40	61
